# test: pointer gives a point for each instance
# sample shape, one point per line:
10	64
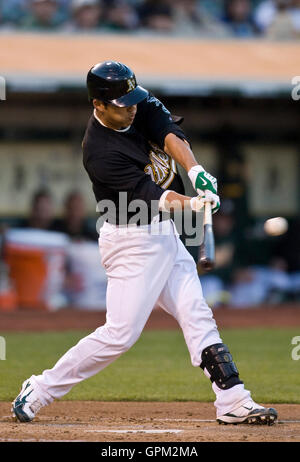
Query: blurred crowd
49	262
73	222
252	267
274	19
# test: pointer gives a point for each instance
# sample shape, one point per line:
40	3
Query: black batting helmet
115	83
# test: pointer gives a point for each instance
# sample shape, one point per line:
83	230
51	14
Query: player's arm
170	201
120	174
161	129
180	150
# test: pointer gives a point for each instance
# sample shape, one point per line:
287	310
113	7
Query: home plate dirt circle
142	421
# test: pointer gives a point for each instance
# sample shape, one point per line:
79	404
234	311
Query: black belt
162	217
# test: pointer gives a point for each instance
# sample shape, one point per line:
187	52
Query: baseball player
131	146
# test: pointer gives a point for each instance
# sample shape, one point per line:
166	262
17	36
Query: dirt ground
151	421
262	316
145	422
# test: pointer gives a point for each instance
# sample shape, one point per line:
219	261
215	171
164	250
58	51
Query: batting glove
202	180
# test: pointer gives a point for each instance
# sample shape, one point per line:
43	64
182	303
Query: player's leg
137	266
182	297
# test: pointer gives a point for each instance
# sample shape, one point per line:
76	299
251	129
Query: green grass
158	367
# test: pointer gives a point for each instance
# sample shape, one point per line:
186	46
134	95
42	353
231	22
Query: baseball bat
206	260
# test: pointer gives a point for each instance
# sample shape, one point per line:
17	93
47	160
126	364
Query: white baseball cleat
27	403
249	413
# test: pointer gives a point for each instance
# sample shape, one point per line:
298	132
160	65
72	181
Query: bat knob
206	264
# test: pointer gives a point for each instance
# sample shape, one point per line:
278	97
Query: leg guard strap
217	360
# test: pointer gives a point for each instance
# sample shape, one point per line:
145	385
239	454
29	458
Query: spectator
156	15
121	16
259	284
12	11
261	275
41	211
296	15
213	8
238	18
251	268
190	19
1	19
288	246
267	10
74	222
85	282
286	23
233	174
43	15
86	15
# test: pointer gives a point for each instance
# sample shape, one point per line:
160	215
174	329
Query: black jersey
132	161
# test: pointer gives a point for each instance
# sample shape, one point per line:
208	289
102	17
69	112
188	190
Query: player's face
116	117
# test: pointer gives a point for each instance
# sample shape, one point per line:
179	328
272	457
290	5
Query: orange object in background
36	261
28	271
8	295
8	301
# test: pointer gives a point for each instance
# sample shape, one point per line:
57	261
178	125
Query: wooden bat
206	260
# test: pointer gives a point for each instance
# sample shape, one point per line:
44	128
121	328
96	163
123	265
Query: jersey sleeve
119	174
158	121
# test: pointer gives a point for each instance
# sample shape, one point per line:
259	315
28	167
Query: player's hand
202	180
214	199
197	203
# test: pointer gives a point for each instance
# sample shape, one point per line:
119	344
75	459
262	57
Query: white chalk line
213	420
38	440
288	421
104	430
184	420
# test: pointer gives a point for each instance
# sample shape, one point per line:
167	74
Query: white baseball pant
143	269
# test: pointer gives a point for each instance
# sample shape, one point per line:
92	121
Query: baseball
276	226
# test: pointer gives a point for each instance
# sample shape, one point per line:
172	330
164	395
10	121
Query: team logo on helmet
131	84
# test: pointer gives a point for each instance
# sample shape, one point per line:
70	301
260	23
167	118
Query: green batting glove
216	208
202	180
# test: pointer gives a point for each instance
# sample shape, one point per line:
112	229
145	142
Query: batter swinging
131	145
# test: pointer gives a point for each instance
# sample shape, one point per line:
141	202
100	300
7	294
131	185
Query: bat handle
207	219
207	251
